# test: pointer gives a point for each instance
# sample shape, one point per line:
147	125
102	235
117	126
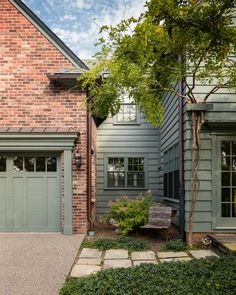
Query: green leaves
142	55
198	276
130	214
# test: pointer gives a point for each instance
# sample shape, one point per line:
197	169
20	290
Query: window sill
126	123
171	200
125	188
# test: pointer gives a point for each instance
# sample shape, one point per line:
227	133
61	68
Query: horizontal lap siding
223	111
169	135
113	139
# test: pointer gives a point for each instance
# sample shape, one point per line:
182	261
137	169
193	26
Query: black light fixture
78	160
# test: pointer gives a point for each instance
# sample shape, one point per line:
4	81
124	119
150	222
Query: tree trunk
197	122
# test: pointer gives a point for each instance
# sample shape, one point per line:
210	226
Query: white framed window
126	172
128	113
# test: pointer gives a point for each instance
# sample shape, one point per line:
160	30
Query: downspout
89	171
181	167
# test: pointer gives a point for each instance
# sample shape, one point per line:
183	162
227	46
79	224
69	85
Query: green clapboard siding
126	140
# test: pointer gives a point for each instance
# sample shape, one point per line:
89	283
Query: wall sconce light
78	160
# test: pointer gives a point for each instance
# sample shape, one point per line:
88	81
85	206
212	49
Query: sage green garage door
29	193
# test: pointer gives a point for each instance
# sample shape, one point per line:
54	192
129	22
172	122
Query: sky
77	22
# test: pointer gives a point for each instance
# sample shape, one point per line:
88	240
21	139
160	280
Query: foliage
198	276
176	245
147	56
130	214
174	42
128	243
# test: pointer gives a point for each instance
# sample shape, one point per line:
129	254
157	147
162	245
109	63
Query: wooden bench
159	218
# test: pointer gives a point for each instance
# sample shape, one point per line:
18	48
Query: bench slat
159	217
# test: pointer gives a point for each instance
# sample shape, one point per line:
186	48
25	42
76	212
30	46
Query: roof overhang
40	139
65	79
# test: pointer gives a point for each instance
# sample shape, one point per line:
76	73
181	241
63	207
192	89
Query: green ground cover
195	277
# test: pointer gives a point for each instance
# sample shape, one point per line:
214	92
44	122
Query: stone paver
182	259
87	261
163	255
116	254
144	255
90	253
112	263
91	260
202	253
138	262
231	246
84	270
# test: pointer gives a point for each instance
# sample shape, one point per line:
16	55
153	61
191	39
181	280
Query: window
34	164
3	164
128	113
228	179
171	172
125	172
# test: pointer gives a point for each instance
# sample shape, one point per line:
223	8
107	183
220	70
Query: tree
194	41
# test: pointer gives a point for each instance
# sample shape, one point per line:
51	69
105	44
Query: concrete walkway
36	264
92	260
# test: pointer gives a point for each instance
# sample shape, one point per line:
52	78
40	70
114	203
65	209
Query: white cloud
67	17
77	22
83	4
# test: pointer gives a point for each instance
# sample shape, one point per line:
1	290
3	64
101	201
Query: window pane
165	185
135	179
225	148
176	184
135	164
225	194
116	179
40	164
116	164
52	164
17	164
233	178
170	185
225	210
3	164
225	163
234	210
225	179
234	148
233	164
29	164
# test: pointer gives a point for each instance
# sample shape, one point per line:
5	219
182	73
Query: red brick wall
28	99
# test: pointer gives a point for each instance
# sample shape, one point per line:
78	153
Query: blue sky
77	22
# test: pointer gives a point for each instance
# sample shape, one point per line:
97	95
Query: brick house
47	138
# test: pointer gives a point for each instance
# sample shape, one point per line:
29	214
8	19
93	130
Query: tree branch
213	90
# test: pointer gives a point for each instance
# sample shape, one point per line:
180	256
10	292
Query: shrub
176	245
130	214
128	243
198	276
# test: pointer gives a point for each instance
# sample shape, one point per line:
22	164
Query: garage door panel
29	200
35	220
19	205
3	186
35	187
53	220
52	185
20	221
